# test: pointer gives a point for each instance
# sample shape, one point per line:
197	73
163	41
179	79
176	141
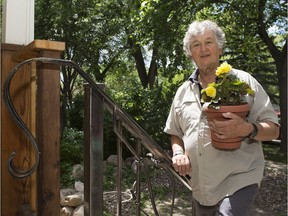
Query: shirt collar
194	77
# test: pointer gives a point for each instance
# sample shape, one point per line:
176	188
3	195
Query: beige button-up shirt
215	173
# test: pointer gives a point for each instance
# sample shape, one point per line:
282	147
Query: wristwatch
254	132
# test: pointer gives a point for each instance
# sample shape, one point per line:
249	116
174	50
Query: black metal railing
96	100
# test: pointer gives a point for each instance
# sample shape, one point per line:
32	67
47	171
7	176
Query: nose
203	47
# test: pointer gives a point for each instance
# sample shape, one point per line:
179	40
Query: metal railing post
138	180
119	169
93	153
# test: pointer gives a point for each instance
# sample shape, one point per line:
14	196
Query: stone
72	200
148	162
78	172
79	186
65	192
79	211
128	161
112	159
66	211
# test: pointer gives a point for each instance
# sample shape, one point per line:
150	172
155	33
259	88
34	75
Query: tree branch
276	54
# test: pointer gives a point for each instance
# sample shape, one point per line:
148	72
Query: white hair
198	28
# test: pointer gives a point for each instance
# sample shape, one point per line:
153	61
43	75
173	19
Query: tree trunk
140	64
153	68
282	77
280	58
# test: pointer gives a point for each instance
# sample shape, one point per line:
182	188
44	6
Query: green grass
272	152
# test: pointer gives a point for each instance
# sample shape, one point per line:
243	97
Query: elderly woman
223	182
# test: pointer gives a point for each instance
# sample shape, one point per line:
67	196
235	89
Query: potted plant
226	95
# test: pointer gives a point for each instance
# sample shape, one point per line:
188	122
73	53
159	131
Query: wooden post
16	192
33	178
17	28
48	136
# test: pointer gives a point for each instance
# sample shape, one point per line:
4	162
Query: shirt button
200	154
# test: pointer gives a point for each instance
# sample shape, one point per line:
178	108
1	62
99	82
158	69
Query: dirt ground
270	201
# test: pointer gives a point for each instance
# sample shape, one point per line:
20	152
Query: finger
221	136
181	170
177	163
185	168
228	115
175	166
188	168
181	164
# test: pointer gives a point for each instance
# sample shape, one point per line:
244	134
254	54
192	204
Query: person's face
205	51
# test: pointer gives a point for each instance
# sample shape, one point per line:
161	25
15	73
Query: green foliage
239	21
76	113
98	33
66	179
272	152
71	153
128	178
148	107
161	191
110	138
110	180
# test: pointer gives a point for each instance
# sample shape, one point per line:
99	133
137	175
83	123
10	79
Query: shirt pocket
188	112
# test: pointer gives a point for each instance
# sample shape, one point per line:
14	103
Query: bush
71	152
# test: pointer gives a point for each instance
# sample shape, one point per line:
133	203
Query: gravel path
273	190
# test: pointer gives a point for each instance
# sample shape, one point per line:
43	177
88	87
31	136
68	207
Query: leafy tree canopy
115	39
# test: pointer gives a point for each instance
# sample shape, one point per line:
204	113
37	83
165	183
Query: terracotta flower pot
231	143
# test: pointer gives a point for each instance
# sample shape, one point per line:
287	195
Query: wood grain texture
41	190
15	192
48	137
33	49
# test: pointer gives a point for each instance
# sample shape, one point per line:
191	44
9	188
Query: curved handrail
126	120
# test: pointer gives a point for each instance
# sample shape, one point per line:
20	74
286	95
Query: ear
220	51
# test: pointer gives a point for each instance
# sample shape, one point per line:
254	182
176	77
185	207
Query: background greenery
134	47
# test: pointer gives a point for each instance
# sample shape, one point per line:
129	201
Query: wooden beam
33	49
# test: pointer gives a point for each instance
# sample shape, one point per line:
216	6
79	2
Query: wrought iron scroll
16	117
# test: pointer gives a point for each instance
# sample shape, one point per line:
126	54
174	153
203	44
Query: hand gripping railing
161	156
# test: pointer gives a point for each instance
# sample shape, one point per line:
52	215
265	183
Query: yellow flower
210	91
224	68
228	89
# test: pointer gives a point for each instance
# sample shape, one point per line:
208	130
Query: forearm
236	126
177	144
267	131
180	160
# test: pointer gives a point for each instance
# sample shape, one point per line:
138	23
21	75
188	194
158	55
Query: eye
195	45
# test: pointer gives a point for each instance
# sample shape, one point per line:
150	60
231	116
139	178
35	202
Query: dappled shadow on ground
270	201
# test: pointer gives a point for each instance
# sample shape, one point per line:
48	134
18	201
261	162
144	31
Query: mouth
204	56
